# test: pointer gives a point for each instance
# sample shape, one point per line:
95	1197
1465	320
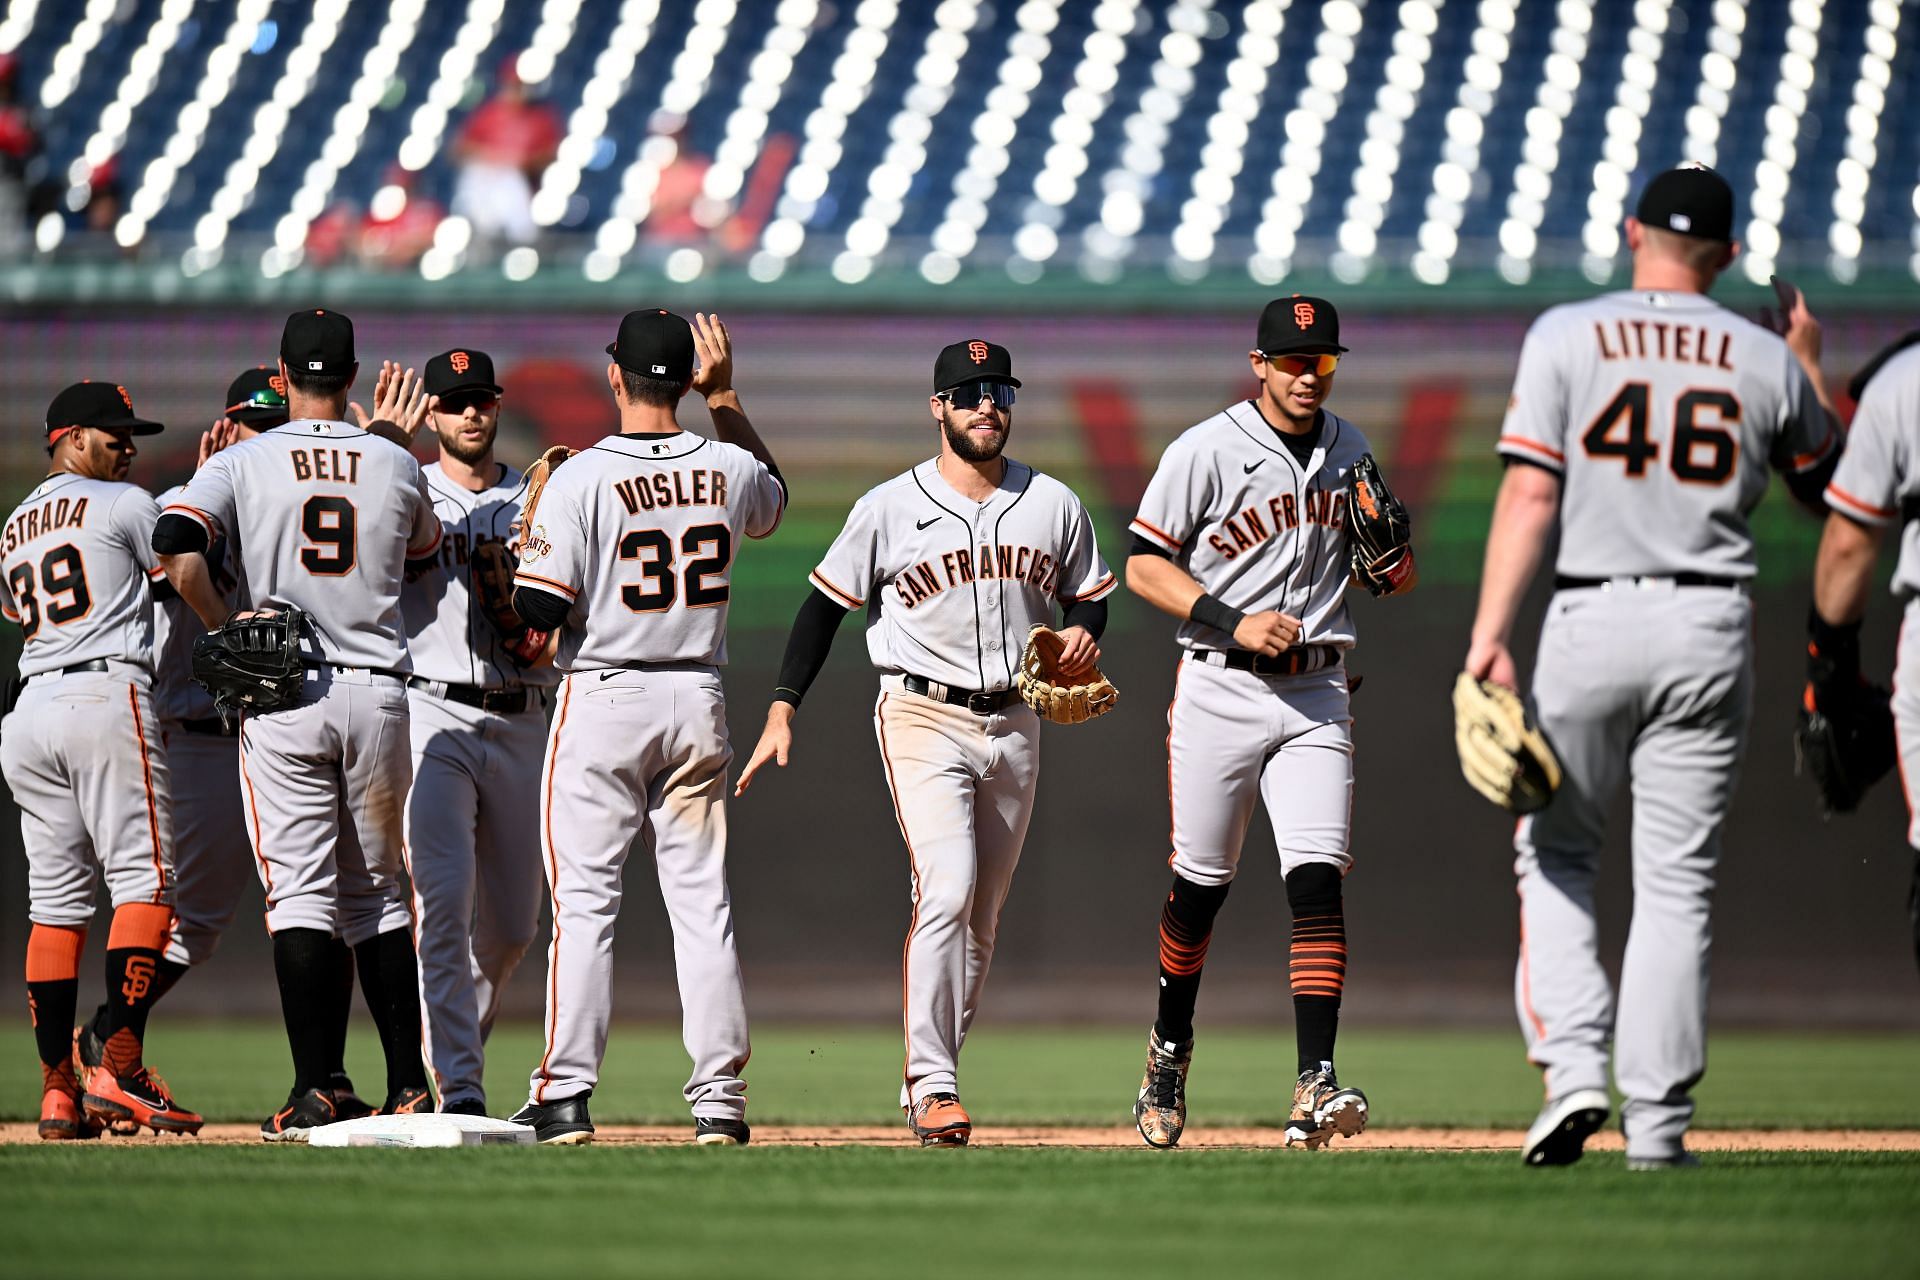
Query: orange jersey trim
559	588
1158	534
1860	505
843	597
153	809
1532	446
1101	590
553	895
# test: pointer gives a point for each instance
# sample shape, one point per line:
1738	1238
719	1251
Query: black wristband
1211	612
1833	653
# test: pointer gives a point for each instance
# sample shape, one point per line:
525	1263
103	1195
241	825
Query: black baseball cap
97	404
1689	201
1298	323
317	341
258	399
654	344
461	369
971	360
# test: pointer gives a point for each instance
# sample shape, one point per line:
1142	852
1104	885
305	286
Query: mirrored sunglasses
969	394
1300	365
457	401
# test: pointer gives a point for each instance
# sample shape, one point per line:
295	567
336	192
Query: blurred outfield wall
1811	918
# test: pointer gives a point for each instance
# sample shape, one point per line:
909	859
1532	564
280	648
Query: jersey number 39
1704	448
61	574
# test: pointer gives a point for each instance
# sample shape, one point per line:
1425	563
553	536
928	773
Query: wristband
1211	612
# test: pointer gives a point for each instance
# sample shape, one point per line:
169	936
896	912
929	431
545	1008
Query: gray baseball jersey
1879	475
175	625
1663	412
77	560
447	635
326	517
647	525
951	586
1255	528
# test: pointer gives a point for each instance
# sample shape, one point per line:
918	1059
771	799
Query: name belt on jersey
45	518
960	568
1248	529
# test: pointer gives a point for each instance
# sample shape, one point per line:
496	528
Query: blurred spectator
19	146
332	238
678	206
502	149
400	223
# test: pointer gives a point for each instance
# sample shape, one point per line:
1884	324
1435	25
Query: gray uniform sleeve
1535	428
1866	487
767	500
1084	575
209	497
554	556
1181	490
1808	434
133	517
852	564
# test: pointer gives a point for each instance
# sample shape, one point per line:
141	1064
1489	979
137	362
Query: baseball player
479	729
952	562
630	547
1876	487
1243	534
325	517
81	751
1643	423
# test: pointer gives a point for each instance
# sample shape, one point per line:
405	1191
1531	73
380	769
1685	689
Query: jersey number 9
653	548
329	523
61	574
1704	446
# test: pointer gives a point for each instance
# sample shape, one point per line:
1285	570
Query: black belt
981	704
508	702
212	725
1562	582
78	668
1292	662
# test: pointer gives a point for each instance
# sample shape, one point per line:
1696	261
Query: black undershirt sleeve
542	610
1809	487
1146	547
1091	614
808	645
178	535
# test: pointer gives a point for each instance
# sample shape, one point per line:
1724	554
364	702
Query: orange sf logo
978	350
278	383
1303	314
139	979
125	398
460	361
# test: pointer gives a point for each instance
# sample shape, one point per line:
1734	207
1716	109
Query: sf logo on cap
460	361
278	383
978	350
1303	314
125	399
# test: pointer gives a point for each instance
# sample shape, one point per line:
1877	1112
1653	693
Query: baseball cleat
1160	1112
710	1131
87	1055
463	1107
1559	1133
939	1121
63	1119
347	1105
141	1098
1324	1110
303	1113
562	1123
1654	1164
412	1100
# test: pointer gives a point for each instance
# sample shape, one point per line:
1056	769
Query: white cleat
1560	1132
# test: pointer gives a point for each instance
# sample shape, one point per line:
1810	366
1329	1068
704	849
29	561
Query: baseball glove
491	573
252	663
536	484
1043	688
1504	758
1380	533
1845	744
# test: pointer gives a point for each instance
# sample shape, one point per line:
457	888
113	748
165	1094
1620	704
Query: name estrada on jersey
75	550
326	517
942	610
647	524
1615	390
1255	526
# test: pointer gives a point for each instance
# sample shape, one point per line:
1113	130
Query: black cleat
347	1105
412	1100
463	1107
301	1116
565	1122
710	1132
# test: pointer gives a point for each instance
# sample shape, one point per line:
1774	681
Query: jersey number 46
1704	448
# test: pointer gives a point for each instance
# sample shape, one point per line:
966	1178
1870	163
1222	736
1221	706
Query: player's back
1663	411
639	534
326	516
77	563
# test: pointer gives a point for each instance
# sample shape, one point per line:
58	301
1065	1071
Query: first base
429	1129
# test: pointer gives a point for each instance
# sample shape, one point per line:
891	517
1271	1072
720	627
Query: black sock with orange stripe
1318	964
303	963
53	992
390	981
1186	927
136	944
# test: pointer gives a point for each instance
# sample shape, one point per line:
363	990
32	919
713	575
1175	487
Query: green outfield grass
183	1210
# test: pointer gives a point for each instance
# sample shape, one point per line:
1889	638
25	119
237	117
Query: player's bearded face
467	427
976	433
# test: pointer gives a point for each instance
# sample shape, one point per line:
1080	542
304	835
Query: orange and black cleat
63	1119
412	1100
141	1098
938	1120
303	1113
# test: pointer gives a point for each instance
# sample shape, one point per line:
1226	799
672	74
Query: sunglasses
1300	366
264	398
458	401
969	394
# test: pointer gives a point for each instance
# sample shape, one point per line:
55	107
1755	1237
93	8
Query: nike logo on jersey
1252	467
926	524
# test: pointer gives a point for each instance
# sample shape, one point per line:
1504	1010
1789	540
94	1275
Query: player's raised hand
1491	660
1794	321
715	349
1079	653
776	744
1269	632
222	433
399	397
